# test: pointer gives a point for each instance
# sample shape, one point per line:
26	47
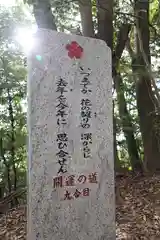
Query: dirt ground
137	214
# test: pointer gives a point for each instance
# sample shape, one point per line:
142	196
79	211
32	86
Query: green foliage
12	95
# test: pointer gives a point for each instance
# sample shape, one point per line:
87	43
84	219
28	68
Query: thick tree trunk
127	126
85	8
43	14
105	21
145	98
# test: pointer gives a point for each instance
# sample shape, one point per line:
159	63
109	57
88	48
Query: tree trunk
105	21
121	42
85	8
43	14
145	97
127	126
116	158
2	151
10	109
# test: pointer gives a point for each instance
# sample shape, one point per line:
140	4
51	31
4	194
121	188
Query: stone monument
71	172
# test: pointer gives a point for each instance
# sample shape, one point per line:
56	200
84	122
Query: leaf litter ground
137	214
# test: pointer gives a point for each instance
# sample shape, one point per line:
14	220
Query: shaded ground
137	214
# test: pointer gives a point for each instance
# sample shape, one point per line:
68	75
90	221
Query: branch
98	5
125	14
133	58
12	195
121	43
4	207
147	65
130	50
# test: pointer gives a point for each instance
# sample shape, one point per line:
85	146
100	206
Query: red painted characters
71	182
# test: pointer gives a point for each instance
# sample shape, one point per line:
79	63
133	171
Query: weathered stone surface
80	206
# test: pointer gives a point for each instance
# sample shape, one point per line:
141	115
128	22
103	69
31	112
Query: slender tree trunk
145	97
43	14
127	126
8	178
116	158
10	109
121	42
1	192
85	8
6	165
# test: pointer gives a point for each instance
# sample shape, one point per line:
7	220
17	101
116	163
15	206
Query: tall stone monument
71	176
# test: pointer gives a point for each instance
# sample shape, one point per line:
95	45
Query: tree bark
121	43
145	97
43	14
117	164
2	151
127	126
10	109
124	114
85	8
105	21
